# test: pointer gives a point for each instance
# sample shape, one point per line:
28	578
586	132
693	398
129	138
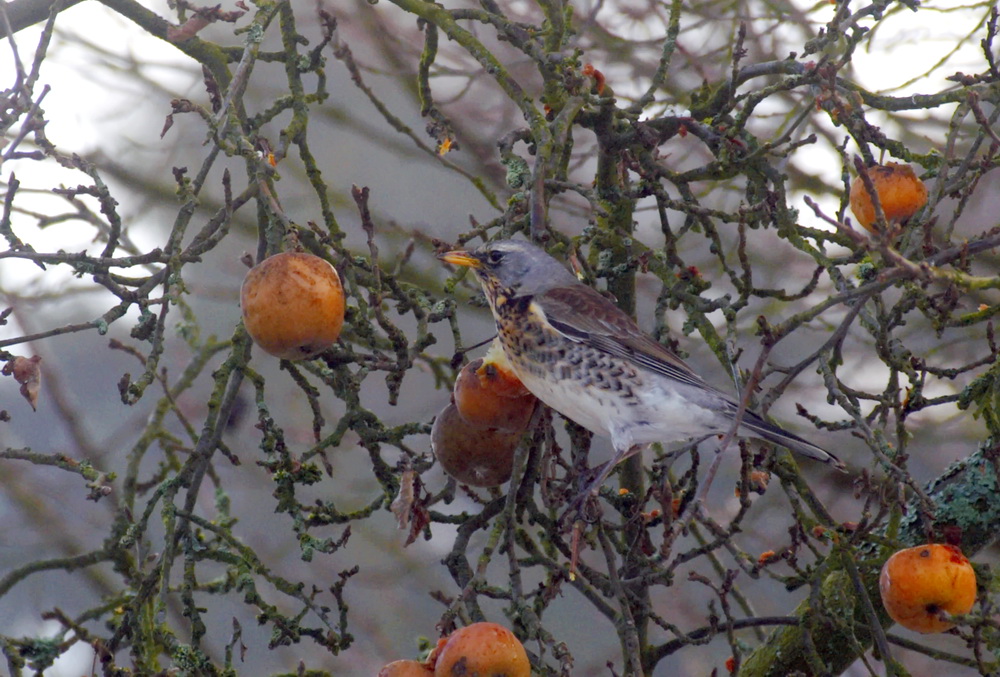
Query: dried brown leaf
26	371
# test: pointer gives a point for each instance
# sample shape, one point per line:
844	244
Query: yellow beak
458	257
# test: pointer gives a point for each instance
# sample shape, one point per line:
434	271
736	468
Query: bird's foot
583	509
584	506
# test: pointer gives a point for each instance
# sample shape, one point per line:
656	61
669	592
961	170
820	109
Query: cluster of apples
484	649
474	438
921	587
293	308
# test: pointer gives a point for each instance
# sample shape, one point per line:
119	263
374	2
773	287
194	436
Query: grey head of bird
515	266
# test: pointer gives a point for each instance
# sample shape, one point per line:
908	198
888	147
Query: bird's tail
758	427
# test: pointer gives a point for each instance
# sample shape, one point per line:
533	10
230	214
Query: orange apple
483	650
900	192
488	396
482	457
293	305
405	669
917	584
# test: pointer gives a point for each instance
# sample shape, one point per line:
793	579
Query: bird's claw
584	508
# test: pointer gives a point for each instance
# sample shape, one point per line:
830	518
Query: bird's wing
583	315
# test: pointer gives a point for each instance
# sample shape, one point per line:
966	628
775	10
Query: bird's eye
495	257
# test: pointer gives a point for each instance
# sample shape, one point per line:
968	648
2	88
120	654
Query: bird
587	359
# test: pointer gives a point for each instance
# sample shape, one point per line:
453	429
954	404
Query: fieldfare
587	359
